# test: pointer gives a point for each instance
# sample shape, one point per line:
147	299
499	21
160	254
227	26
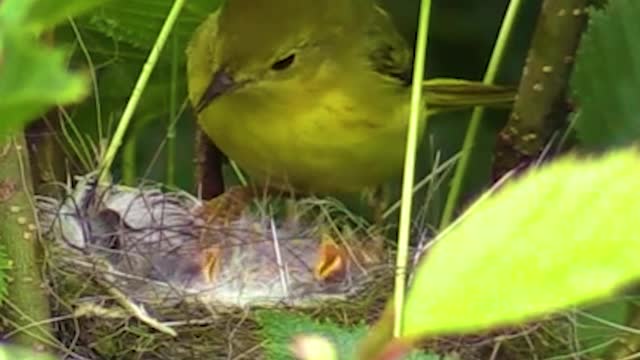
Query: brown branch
542	90
208	159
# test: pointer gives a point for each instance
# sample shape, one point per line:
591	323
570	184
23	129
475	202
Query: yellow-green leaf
560	236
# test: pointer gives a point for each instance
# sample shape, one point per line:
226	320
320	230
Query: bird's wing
388	52
391	57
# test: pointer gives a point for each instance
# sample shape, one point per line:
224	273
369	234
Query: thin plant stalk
437	170
147	69
492	69
129	163
173	113
92	73
418	109
70	131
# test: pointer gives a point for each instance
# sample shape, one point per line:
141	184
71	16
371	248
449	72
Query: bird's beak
221	83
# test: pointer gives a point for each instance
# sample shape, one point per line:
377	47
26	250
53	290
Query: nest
138	273
151	274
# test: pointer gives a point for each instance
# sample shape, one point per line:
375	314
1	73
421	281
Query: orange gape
210	263
240	259
332	262
227	207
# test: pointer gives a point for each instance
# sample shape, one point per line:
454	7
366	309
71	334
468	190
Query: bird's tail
443	94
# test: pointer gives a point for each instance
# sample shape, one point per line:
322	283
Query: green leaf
44	14
137	22
606	78
13	352
13	12
602	324
557	237
279	329
35	16
32	78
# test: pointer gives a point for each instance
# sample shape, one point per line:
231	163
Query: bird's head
254	44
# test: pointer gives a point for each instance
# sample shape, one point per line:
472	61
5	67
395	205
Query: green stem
418	109
26	307
173	114
489	77
147	69
92	74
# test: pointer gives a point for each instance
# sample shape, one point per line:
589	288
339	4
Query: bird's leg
228	206
216	216
378	201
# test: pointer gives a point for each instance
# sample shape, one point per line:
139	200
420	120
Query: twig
208	159
284	280
137	311
543	84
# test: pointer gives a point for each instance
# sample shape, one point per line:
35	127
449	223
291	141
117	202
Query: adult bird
312	95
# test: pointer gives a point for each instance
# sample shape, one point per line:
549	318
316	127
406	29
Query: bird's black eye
283	63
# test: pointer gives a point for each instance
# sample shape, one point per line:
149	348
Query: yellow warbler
312	94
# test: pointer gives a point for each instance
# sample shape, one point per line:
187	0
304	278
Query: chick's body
305	94
253	268
162	248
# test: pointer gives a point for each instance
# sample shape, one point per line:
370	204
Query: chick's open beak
221	82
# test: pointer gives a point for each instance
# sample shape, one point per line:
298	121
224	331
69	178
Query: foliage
34	77
5	266
506	263
551	256
606	79
44	14
12	352
279	328
138	22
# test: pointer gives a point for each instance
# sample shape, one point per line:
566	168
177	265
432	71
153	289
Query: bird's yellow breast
318	136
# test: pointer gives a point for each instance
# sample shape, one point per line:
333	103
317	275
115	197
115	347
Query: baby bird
161	247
